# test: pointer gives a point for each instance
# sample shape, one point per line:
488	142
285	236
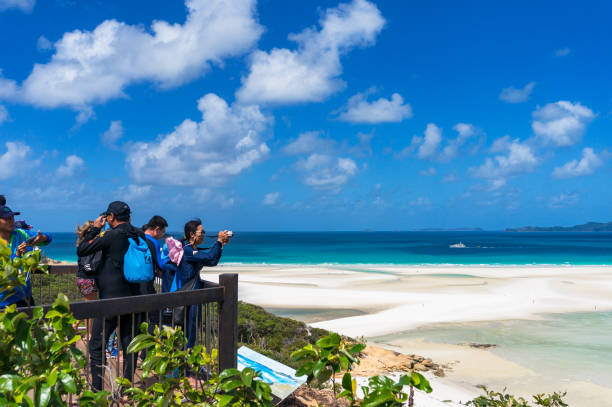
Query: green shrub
170	364
332	354
273	336
496	399
383	391
40	364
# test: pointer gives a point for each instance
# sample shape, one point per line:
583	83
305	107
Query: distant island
587	227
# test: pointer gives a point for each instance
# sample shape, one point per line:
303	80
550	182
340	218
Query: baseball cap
118	208
22	224
6	212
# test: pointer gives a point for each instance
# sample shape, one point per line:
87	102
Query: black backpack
91	264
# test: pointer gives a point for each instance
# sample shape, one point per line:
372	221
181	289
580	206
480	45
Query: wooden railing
216	308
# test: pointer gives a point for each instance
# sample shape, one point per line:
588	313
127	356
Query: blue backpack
138	262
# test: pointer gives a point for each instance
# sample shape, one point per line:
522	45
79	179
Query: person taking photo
111	282
19	242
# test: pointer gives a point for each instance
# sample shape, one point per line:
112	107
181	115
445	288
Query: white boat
459	245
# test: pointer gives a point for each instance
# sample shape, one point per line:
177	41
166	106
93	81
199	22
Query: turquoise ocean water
399	248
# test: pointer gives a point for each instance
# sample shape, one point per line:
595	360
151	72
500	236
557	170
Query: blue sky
276	115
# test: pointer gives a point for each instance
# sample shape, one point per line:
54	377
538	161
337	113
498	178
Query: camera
230	233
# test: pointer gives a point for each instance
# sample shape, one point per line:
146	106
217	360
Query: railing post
228	322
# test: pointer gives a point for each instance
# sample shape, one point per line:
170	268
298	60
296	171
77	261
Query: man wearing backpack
117	246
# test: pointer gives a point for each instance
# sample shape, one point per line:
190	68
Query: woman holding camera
193	260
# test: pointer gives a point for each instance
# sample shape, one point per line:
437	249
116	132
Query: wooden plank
141	303
63	269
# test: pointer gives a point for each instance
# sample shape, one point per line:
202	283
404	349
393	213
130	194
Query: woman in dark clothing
193	260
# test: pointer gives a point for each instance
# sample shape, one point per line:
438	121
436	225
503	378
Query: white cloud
8	88
320	165
85	113
429	144
563	200
501	144
91	67
4	116
587	165
514	95
326	172
11	162
271	198
465	132
308	142
452	177
134	192
517	158
433	138
311	72
59	196
24	5
364	147
359	110
72	164
496	184
563	52
115	132
420	201
562	123
406	151
228	141
430	172
43	43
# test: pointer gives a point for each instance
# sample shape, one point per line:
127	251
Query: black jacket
114	244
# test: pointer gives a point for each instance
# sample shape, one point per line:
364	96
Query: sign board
281	378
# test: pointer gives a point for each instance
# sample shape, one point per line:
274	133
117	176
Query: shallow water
575	346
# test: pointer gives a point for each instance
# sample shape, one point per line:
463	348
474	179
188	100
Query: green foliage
383	391
331	354
550	400
273	336
14	271
349	392
243	389
170	364
496	399
40	364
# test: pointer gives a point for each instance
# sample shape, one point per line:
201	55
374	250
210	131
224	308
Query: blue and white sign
281	378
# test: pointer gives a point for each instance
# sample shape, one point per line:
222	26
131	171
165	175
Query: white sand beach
370	301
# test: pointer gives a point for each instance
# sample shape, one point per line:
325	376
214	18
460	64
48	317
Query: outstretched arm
208	258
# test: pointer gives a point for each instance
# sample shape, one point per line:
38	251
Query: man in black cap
111	283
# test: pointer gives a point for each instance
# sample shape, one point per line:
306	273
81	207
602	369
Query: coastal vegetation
274	336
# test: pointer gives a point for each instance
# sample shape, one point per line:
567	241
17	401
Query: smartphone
30	241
